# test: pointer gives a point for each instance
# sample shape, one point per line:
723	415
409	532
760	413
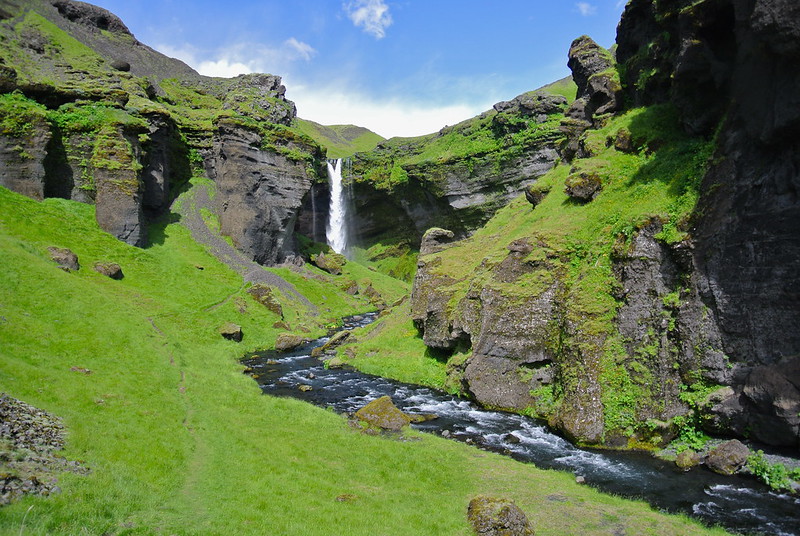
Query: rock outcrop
738	60
259	190
703	325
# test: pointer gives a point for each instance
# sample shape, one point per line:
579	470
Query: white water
336	230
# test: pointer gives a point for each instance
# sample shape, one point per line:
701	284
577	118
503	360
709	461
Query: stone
264	295
728	458
384	414
335	362
305	388
336	340
231	331
417	418
687	459
288	341
583	186
330	262
490	516
435	240
109	269
536	193
66	259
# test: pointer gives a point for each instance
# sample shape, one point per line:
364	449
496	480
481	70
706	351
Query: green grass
179	441
565	87
340	141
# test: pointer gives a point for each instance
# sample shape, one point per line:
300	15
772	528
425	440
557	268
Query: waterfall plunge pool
737	503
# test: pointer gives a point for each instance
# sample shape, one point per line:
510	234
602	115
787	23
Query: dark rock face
739	59
66	259
22	160
599	90
490	516
260	192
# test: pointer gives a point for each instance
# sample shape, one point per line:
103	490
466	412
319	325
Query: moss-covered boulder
231	331
264	295
583	186
330	262
535	193
66	259
384	414
490	516
288	341
728	458
109	269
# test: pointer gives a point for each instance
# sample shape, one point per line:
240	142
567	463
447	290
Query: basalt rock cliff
89	113
633	331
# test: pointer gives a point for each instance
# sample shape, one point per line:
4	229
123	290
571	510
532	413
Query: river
738	503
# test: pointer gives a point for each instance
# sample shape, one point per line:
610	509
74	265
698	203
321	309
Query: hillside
612	254
339	140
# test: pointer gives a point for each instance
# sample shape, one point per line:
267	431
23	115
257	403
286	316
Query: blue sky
398	67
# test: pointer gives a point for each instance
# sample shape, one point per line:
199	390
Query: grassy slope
180	442
578	242
340	140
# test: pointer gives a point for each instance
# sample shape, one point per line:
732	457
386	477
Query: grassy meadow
179	441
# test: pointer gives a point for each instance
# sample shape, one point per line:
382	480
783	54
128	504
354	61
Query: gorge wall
695	317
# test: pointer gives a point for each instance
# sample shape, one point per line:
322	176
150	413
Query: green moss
19	114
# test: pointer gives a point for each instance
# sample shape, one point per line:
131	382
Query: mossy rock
535	193
330	262
109	269
263	295
728	458
383	414
583	186
288	341
490	516
231	331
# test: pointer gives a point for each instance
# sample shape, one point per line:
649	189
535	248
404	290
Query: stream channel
738	503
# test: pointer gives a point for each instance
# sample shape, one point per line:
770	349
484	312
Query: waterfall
336	230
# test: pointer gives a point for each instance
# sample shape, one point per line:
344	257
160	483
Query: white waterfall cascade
336	230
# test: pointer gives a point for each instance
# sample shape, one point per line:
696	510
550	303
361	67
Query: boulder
728	458
435	240
490	516
66	259
535	194
337	339
263	294
384	414
331	263
288	341
109	269
583	186
687	459
231	331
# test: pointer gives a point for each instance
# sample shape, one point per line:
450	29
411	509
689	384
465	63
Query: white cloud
243	58
586	9
371	15
303	50
387	117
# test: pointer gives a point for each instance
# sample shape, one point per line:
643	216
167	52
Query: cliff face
688	317
739	61
91	114
459	177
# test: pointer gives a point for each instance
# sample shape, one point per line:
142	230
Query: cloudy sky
398	67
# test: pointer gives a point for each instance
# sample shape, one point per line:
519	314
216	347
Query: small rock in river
305	388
